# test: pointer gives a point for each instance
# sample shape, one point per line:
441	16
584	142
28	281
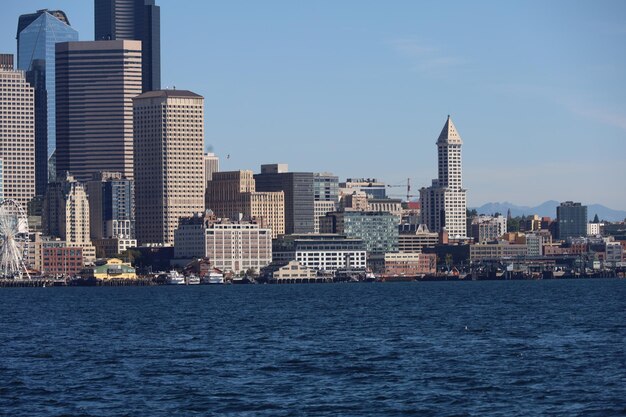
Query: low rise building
62	261
497	251
594	229
414	238
488	228
294	270
108	248
323	252
614	253
410	264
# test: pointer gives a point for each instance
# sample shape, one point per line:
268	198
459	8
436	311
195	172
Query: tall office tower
138	20
1	182
96	135
17	134
37	34
230	194
571	219
299	195
111	206
66	214
169	183
444	203
211	165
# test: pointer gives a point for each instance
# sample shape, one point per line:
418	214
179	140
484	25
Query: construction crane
408	188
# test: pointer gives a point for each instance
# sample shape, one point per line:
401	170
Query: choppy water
423	349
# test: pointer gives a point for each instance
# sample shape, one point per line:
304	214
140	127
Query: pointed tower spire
449	134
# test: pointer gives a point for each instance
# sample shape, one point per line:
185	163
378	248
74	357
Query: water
396	349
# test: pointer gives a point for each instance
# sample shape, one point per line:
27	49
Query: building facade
138	20
488	228
370	186
211	165
379	230
111	206
324	252
413	240
444	203
572	220
169	142
96	135
233	193
62	261
37	35
299	195
17	135
410	264
230	246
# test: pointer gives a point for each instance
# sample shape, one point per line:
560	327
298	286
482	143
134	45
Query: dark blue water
423	349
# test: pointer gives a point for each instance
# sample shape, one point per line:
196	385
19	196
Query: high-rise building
379	230
37	34
326	194
169	141
66	215
138	20
96	134
17	134
111	206
444	203
211	165
571	220
232	194
299	195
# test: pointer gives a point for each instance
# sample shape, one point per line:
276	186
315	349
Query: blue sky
537	89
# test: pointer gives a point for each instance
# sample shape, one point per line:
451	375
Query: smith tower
444	203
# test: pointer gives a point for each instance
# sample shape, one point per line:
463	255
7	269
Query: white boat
213	278
193	280
175	278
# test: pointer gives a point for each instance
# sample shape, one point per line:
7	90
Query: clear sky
536	89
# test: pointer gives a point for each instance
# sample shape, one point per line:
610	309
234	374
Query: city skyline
532	88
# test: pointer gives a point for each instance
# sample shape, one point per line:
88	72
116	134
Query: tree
512	224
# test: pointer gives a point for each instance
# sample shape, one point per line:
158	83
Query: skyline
376	83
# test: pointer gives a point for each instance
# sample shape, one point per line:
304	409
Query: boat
213	277
175	278
193	280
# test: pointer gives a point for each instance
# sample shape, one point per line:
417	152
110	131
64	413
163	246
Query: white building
488	228
594	229
211	165
323	252
614	253
444	204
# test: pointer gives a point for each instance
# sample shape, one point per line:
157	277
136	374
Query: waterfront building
571	220
534	244
37	34
410	264
230	246
232	194
414	239
62	261
17	134
370	186
379	230
299	195
169	183
497	251
321	252
444	203
65	215
96	135
111	206
294	271
211	165
138	20
111	269
488	228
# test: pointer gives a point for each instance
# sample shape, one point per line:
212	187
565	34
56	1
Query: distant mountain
548	209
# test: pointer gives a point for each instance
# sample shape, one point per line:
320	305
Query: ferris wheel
13	240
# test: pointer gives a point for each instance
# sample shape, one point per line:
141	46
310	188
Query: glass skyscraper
37	35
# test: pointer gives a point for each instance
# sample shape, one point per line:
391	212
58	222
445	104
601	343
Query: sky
362	88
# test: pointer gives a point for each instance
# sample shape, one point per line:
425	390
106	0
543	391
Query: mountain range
548	209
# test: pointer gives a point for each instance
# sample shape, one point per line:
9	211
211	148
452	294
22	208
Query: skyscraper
133	20
444	203
111	206
211	165
169	183
17	134
96	83
299	195
37	34
571	219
